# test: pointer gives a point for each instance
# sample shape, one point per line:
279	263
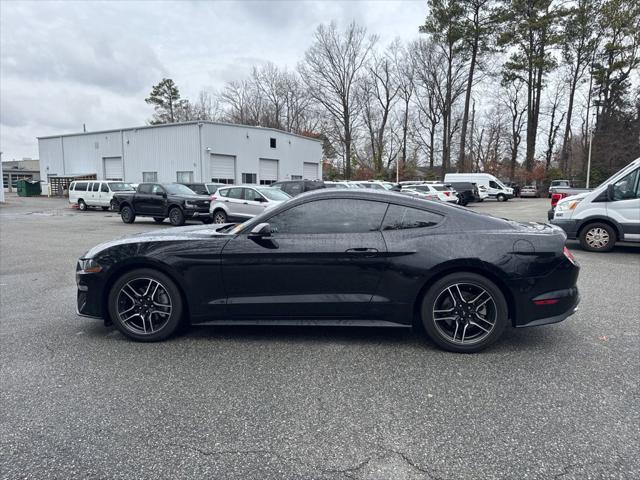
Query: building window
184	177
296	177
249	178
149	177
267	182
272	142
226	181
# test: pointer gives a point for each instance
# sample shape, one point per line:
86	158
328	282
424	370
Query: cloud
63	64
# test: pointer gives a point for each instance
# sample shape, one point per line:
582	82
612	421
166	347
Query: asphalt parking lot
80	401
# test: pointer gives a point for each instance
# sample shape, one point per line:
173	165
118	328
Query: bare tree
404	68
554	122
516	105
331	72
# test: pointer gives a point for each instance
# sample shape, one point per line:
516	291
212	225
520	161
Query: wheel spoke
159	312
128	290
464	332
477	325
136	314
453	297
446	310
444	318
455	333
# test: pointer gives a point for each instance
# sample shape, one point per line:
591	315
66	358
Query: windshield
274	194
177	189
213	187
441	188
121	187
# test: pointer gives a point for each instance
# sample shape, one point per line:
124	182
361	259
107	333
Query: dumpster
28	188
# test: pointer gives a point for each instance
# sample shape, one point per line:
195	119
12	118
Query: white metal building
184	152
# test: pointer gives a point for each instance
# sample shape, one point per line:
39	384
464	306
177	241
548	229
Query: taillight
569	255
550	301
213	197
447	193
556	197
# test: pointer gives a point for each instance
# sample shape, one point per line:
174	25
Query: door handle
362	250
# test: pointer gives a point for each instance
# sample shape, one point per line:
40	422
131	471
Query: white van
95	193
494	187
605	215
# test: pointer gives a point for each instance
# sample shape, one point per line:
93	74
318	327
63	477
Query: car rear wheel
597	237
82	206
145	305
464	312
219	216
127	214
113	206
176	217
158	219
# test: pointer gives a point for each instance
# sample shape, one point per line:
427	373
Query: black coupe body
338	257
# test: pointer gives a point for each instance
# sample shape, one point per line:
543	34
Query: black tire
598	237
207	220
496	309
82	206
113	206
158	219
167	291
105	208
480	200
176	217
127	214
501	197
219	216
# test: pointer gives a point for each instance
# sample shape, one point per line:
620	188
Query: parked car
441	192
296	187
338	257
244	201
96	193
529	191
494	187
340	185
421	194
605	215
160	201
467	192
204	188
555	184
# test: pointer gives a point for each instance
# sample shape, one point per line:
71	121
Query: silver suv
244	201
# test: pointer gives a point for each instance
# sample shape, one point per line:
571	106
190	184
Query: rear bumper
569	226
568	299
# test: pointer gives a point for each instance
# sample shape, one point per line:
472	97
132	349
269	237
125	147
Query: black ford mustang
343	257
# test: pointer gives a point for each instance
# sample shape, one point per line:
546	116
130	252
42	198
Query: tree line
519	88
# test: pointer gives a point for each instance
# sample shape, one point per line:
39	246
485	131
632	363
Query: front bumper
196	212
569	226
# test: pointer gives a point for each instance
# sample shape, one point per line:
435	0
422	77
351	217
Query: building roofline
176	125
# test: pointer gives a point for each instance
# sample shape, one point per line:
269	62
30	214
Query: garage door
223	168
310	171
113	168
268	171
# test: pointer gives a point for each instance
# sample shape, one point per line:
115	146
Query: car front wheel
176	217
145	305
502	198
597	237
464	312
82	206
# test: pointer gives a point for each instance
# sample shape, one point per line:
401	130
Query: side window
330	216
236	193
493	184
403	218
627	187
251	195
144	188
81	187
294	188
72	187
223	192
104	188
96	187
157	189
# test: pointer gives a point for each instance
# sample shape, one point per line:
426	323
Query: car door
624	208
143	200
255	202
236	202
323	260
104	195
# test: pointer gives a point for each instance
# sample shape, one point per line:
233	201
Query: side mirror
611	193
262	230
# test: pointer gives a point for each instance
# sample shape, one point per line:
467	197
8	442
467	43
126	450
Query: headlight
88	265
190	204
567	206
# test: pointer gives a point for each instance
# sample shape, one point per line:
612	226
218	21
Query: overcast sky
65	64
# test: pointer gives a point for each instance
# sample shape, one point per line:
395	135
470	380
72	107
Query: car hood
164	235
577	196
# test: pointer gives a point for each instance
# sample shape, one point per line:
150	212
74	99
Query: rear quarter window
406	218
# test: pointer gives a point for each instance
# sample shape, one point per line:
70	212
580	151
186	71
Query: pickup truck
560	193
168	200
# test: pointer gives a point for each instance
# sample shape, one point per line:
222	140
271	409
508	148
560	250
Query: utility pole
589	157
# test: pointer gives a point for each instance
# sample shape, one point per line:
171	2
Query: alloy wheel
220	217
465	313
144	306
597	238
